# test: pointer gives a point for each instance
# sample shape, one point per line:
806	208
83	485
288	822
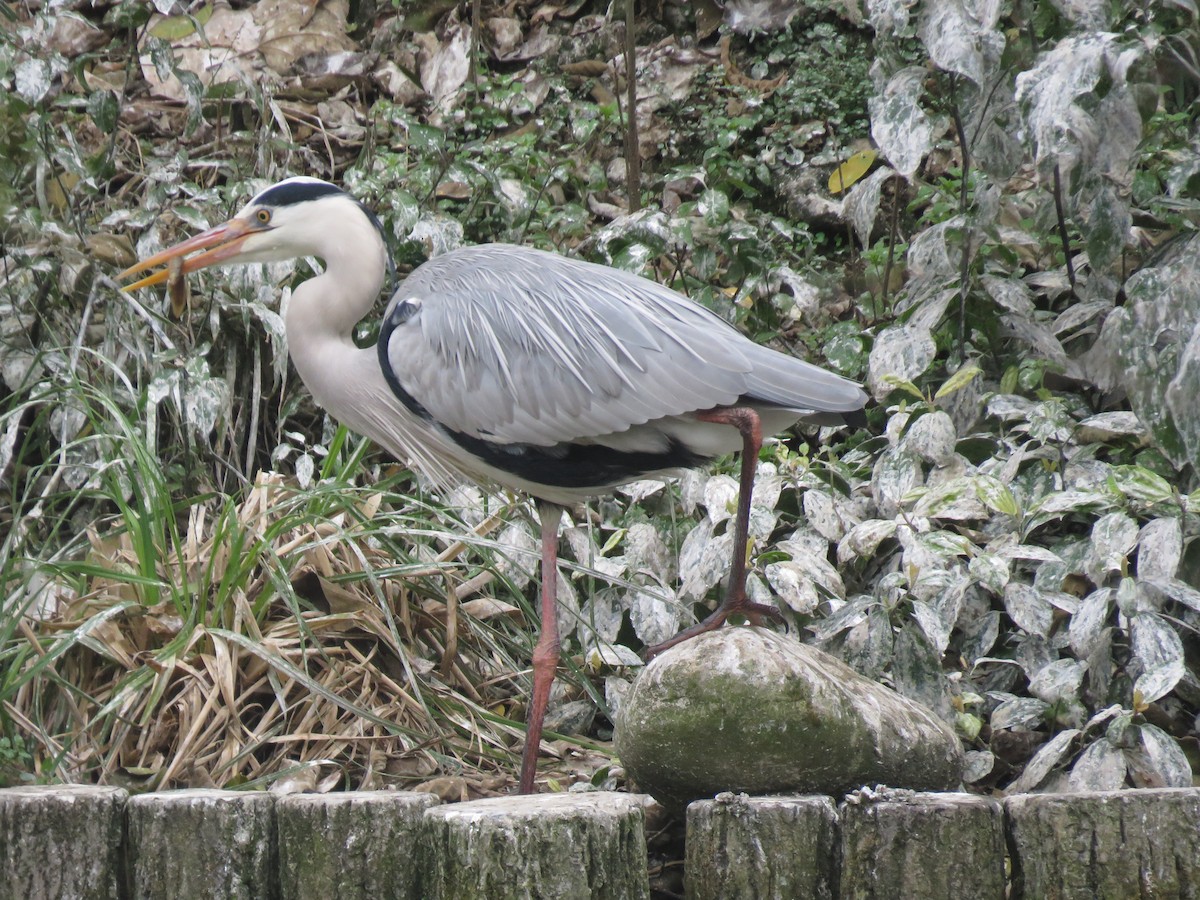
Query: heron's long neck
323	311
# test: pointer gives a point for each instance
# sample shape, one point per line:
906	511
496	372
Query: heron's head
296	217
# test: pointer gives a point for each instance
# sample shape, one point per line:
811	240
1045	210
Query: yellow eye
263	216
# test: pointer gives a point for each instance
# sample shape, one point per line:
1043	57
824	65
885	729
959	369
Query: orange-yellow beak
216	245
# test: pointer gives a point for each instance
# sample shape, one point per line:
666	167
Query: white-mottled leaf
654	614
1176	590
611	656
979	635
901	352
917	670
768	485
615	691
1090	620
704	559
990	570
1101	767
932	437
305	467
861	205
720	497
996	495
945	543
1019	713
1141	484
1027	607
896	473
1161	762
792	585
1047	92
647	552
1058	681
1029	552
889	16
1011	294
899	125
600	617
520	554
1160	651
935	623
1108	425
961	36
1113	538
1160	546
820	512
864	539
1043	761
844	617
978	765
954	499
639	490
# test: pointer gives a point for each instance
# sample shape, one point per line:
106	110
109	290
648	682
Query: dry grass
340	638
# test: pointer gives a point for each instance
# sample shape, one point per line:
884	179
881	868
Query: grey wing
514	345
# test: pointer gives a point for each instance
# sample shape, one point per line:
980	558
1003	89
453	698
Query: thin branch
964	272
1061	214
633	162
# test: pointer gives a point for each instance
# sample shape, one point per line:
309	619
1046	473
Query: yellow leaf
851	170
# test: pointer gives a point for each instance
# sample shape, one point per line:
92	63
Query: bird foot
755	612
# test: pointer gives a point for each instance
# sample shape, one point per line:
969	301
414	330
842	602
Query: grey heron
520	368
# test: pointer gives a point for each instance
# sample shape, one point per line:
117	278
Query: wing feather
515	345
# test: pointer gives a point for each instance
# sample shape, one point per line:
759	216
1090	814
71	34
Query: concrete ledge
62	841
773	848
100	844
1105	845
903	844
202	844
350	846
546	846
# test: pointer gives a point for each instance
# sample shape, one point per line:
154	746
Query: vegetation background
986	212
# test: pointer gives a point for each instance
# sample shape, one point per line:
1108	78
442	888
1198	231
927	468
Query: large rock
746	709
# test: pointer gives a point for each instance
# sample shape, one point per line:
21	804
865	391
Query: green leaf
1140	484
903	385
996	496
958	381
104	109
173	28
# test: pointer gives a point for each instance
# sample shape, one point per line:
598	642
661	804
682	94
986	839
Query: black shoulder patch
291	192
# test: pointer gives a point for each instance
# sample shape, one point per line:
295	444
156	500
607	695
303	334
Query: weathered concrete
1105	845
61	841
922	846
746	709
200	844
350	846
586	846
762	848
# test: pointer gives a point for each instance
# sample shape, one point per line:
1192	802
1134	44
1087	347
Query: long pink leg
545	654
748	423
